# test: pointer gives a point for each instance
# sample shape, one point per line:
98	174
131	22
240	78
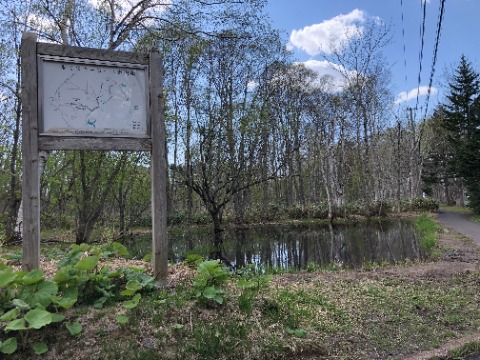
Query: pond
297	246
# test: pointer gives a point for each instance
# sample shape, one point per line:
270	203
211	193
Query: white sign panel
92	98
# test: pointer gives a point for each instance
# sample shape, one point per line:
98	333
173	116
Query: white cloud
405	96
334	74
328	35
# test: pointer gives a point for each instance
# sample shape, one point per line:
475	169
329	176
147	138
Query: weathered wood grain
159	170
31	174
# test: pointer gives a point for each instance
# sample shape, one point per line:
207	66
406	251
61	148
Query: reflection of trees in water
294	247
352	245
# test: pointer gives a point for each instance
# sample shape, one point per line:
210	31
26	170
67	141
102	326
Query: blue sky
305	23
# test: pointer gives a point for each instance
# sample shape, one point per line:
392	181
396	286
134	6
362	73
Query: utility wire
423	3
404	46
435	52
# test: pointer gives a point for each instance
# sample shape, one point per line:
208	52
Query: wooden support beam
31	174
159	171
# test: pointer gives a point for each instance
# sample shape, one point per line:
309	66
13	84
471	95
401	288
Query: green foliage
40	348
427	229
211	275
30	302
122	319
9	346
419	205
74	328
462	123
193	259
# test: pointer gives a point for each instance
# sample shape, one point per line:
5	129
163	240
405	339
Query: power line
423	3
404	47
435	52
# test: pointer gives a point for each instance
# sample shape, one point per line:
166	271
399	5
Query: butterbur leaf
133	285
88	263
43	295
99	303
9	346
10	315
120	249
127	292
38	318
33	277
6	277
74	328
18	324
62	275
57	317
22	305
130	304
122	319
40	348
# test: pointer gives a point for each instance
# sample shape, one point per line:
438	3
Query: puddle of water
296	247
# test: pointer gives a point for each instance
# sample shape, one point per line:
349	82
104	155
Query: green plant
193	259
210	276
30	302
427	229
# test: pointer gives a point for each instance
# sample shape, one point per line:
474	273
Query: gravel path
461	224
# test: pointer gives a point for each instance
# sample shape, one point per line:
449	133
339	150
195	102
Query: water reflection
296	246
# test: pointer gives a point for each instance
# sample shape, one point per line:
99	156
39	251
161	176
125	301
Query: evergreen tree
462	121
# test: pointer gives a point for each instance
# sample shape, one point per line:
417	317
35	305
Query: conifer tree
462	121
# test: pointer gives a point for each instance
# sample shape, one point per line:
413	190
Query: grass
466	351
427	229
457	209
322	315
380	312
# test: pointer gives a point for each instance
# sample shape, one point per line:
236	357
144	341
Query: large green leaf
22	305
74	328
70	297
33	277
87	263
133	285
38	318
40	293
9	346
63	275
45	291
18	324
120	249
130	304
6	277
10	315
56	317
40	348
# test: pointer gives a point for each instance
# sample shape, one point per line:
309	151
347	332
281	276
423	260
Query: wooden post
31	176
159	170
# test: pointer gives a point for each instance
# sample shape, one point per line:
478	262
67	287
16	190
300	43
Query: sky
308	26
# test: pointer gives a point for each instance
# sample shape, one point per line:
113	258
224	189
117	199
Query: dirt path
465	255
461	224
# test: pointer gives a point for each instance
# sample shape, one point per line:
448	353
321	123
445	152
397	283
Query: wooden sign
77	98
83	97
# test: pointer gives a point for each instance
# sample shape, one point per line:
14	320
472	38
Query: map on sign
93	99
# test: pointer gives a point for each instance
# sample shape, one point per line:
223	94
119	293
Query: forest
252	134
